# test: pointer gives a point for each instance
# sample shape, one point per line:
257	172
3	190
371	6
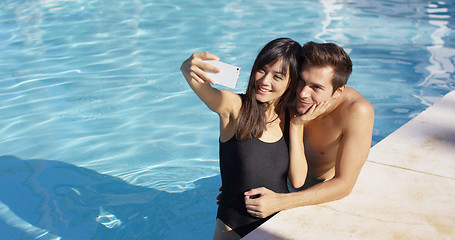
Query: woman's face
271	82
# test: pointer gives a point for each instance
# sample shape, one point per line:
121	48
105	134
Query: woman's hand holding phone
205	66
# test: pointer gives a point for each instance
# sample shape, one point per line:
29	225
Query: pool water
100	136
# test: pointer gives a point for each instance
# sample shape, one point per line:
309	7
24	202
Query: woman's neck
272	113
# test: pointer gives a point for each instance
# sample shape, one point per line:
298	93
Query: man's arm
352	154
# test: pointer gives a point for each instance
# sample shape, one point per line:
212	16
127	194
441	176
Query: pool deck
406	189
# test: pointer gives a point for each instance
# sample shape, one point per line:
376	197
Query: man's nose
304	92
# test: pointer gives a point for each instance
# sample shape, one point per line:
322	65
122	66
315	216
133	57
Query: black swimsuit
246	165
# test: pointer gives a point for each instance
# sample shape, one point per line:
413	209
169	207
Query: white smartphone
228	75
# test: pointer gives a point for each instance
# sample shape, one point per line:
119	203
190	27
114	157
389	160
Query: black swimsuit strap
287	123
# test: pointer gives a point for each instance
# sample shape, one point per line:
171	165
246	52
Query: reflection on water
11	219
108	219
441	66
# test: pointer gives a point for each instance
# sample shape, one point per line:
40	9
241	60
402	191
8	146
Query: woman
253	131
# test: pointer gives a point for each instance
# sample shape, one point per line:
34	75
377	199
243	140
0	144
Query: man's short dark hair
328	54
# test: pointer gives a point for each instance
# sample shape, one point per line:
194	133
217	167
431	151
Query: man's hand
262	202
315	111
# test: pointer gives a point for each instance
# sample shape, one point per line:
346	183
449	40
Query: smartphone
228	75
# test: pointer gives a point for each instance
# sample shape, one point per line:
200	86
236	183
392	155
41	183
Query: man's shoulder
356	106
355	101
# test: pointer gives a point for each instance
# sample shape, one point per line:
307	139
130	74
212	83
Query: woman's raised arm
193	69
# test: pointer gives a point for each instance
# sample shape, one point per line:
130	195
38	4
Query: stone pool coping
406	189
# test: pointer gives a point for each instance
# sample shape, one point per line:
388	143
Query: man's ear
339	91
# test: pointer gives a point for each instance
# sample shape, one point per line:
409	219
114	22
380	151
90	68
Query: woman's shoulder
234	99
232	94
230	105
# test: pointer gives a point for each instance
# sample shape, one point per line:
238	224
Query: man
336	142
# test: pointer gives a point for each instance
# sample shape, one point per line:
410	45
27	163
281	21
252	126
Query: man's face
314	87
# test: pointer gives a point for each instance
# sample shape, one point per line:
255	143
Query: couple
297	123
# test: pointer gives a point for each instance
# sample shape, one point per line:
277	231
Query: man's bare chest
322	142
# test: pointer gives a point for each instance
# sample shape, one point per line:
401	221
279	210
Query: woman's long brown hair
252	119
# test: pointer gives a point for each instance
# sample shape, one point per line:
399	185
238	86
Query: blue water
100	136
